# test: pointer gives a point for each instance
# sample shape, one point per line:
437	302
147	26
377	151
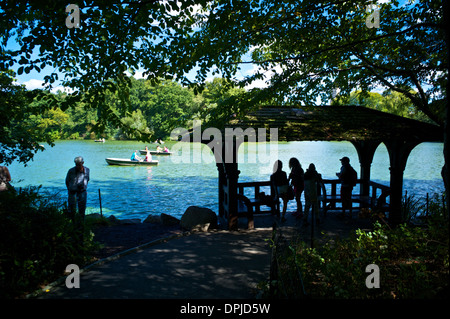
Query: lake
182	180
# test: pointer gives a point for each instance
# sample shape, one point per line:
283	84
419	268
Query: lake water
189	177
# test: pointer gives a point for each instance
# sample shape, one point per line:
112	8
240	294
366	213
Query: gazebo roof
336	123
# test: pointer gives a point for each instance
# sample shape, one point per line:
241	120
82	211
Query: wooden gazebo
365	128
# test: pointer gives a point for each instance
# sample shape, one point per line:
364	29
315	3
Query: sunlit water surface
189	177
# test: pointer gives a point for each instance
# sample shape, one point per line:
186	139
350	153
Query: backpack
353	176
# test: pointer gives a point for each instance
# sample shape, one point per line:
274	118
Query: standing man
76	181
348	177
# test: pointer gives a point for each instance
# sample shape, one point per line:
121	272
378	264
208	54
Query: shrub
413	261
37	241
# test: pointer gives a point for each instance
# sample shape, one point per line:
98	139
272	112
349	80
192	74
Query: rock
168	220
131	221
152	219
113	220
198	218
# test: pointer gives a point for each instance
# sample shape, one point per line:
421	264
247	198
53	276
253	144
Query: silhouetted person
297	181
348	178
280	182
311	180
77	181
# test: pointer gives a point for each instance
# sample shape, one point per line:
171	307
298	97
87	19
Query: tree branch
421	103
339	47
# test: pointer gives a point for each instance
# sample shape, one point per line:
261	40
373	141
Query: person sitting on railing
348	178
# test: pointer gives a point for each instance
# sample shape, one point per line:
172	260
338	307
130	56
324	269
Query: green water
189	177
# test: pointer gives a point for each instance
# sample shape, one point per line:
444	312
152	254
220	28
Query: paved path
218	264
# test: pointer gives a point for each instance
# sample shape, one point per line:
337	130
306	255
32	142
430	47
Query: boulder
198	218
129	221
113	220
152	219
168	220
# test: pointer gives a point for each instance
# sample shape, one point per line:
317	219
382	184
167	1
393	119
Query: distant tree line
156	109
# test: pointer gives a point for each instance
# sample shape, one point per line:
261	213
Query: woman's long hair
294	162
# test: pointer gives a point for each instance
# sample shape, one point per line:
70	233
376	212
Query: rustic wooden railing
376	196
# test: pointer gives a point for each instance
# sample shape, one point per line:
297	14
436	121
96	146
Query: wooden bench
329	201
249	205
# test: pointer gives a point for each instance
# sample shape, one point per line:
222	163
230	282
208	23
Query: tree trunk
446	170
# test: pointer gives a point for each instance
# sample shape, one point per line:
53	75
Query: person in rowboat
148	156
136	157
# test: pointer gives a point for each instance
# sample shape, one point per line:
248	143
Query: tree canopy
304	50
318	47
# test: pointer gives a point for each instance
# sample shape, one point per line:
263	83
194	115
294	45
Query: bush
37	241
413	262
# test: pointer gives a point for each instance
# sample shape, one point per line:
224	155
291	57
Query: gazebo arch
365	128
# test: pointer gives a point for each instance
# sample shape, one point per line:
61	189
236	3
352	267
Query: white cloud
62	89
33	84
137	74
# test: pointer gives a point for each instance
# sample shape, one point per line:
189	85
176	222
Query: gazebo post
232	176
366	151
399	151
230	160
221	182
228	175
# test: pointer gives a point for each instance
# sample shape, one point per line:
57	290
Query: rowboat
128	162
162	153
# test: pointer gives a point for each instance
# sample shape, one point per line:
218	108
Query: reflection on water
179	182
